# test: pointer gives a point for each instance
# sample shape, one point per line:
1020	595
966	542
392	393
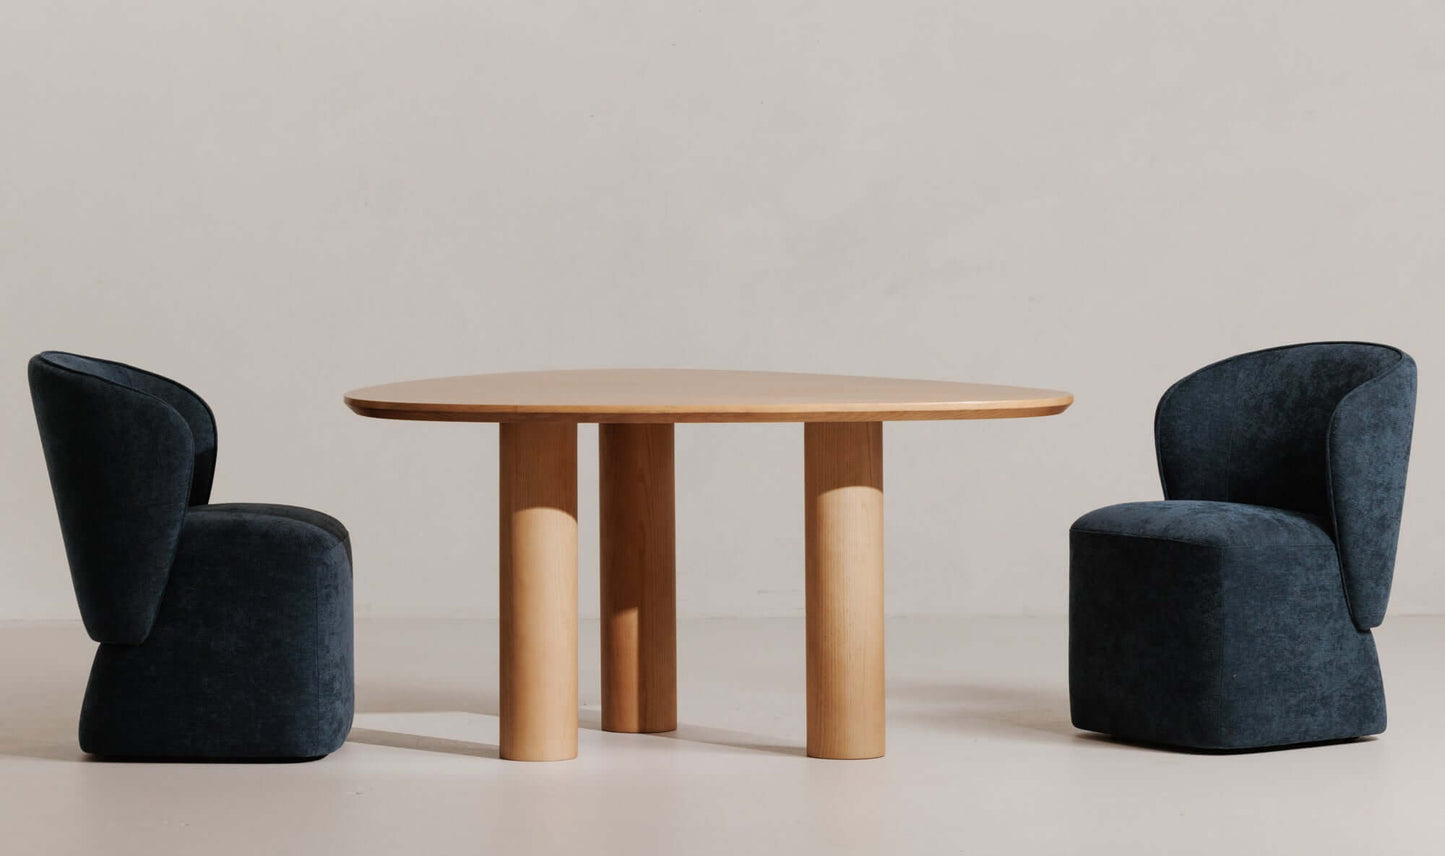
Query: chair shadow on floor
1123	743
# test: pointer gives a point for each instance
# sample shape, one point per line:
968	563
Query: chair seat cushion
1208	524
267	512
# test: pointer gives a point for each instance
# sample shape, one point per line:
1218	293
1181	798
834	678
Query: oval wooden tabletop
689	395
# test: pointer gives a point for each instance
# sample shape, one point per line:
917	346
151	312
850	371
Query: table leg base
639	571
843	477
538	597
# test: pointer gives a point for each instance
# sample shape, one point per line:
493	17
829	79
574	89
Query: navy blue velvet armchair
225	631
1236	614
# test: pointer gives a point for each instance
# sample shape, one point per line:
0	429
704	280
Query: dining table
636	411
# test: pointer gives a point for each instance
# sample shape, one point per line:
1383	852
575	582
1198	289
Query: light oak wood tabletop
690	395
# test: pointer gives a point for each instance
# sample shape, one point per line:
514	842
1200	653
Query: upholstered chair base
250	657
1215	626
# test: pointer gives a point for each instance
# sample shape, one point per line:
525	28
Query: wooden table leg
639	601
843	476
539	591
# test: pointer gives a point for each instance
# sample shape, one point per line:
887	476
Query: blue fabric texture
225	630
1236	613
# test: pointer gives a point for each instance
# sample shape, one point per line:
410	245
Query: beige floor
981	759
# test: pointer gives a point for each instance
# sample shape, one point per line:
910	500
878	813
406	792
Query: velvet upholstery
1321	428
225	630
1216	626
121	461
1236	613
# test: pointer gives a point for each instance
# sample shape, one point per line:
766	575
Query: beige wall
276	202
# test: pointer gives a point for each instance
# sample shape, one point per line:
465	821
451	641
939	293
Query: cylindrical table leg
539	591
639	602
843	475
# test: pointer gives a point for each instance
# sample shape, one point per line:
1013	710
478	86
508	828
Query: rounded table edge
861	413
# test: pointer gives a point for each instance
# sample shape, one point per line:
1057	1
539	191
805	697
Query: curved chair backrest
1322	428
128	451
